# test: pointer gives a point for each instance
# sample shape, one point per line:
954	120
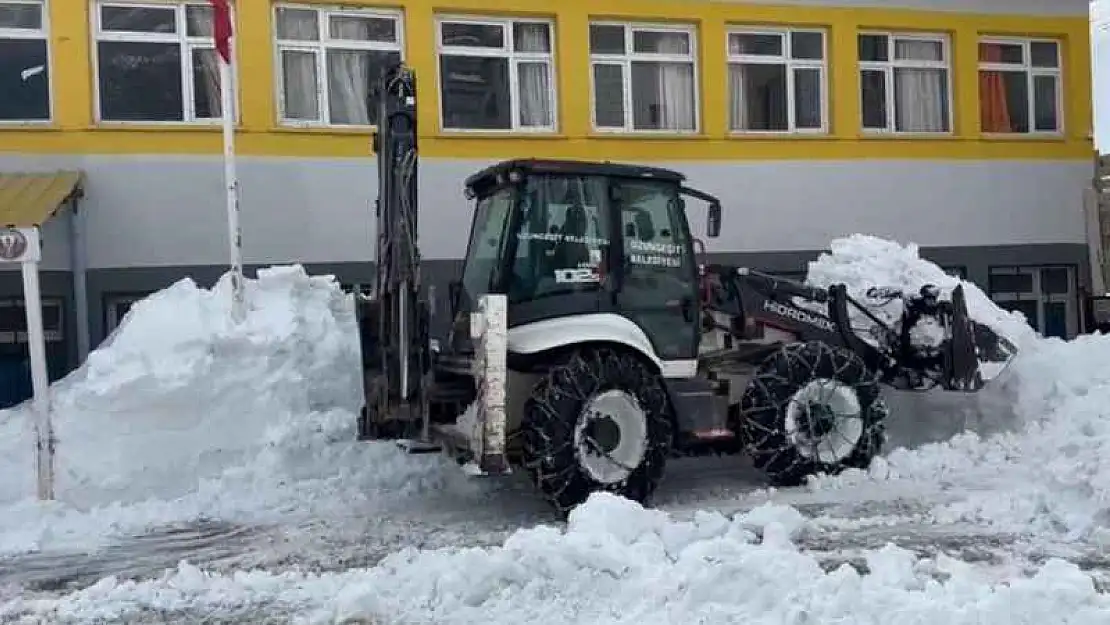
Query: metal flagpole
223	34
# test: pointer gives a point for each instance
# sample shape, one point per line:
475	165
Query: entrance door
659	287
1045	295
15	364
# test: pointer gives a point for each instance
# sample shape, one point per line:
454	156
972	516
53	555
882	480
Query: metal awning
30	199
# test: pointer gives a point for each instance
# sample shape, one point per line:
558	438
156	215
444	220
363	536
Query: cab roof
489	176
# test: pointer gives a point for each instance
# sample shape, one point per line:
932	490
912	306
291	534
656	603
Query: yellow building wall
75	132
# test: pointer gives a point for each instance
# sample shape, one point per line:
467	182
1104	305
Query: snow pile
615	563
1053	474
862	261
183	414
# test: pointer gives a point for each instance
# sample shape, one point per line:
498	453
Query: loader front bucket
963	358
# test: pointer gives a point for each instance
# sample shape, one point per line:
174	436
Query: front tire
598	421
812	408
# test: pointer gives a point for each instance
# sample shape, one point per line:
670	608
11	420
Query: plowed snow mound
862	261
1053	474
183	413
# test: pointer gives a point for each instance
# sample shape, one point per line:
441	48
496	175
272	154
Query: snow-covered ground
230	449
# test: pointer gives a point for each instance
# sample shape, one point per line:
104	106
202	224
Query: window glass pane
486	239
1003	102
472	35
138	19
206	83
534	92
807	98
606	39
608	95
873	48
531	37
1044	54
22	16
563	238
475	92
362	28
1025	307
660	42
658	267
920	100
758	96
1010	283
351	74
1055	281
1044	104
756	44
663	96
300	84
298	24
1056	320
1001	53
918	50
806	45
198	20
24	80
873	85
140	81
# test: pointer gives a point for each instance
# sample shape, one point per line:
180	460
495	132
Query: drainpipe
79	266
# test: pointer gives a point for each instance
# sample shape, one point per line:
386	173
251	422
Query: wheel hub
604	432
610	437
821	420
824	421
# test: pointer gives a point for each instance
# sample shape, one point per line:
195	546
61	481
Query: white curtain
675	86
207	80
348	74
737	98
533	77
920	93
300	83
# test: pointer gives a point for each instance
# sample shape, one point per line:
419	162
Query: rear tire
598	421
812	408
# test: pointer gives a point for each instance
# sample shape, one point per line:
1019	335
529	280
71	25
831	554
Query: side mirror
713	220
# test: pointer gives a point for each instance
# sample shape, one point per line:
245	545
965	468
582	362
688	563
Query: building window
1045	295
13	321
330	61
156	63
496	74
117	306
24	62
904	83
644	77
1019	86
776	80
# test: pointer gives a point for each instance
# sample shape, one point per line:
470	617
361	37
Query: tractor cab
568	238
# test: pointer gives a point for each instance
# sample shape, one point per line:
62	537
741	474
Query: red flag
221	28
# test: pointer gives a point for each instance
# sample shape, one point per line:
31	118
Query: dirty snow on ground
185	416
616	562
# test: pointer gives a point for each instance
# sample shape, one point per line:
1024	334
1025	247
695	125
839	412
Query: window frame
888	67
505	52
625	60
40	34
319	49
785	59
185	43
1027	68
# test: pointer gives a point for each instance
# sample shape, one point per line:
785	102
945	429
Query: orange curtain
994	113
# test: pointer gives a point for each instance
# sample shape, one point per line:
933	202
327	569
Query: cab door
658	283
